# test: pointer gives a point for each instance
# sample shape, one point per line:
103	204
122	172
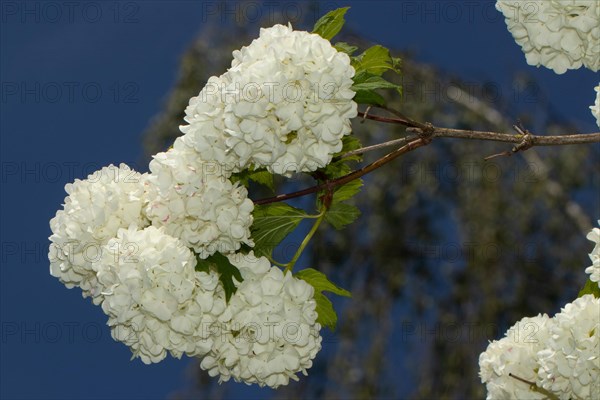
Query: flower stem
272	260
289	266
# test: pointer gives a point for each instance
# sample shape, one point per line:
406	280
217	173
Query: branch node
527	142
426	132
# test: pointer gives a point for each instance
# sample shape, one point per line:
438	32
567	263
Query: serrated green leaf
368	81
337	169
202	265
320	282
326	315
345	48
341	214
350	143
368	97
346	191
590	288
261	177
272	223
362	77
264	178
375	60
227	272
331	23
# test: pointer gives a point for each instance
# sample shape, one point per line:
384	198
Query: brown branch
401	120
377	146
533	140
365	115
415	144
521	138
407	121
426	132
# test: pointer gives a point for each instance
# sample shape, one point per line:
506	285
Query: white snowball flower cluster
560	356
268	332
93	212
205	131
152	249
515	354
594	269
570	365
195	203
285	104
155	300
596	107
558	34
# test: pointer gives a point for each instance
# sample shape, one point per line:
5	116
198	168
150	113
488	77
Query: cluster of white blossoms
544	356
155	300
558	34
594	269
142	271
194	202
285	104
268	332
515	354
596	107
94	210
570	363
148	247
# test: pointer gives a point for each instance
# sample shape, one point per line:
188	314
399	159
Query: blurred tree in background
450	251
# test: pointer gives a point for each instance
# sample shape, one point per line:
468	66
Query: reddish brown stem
415	144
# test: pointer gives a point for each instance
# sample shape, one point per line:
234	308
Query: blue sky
82	80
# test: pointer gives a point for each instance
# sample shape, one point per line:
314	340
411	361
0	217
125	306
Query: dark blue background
79	88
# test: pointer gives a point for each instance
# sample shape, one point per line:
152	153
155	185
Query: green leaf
590	288
331	23
259	176
375	60
341	214
227	272
367	81
346	191
365	84
369	97
264	178
202	265
350	143
337	169
319	281
345	48
326	315
272	223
